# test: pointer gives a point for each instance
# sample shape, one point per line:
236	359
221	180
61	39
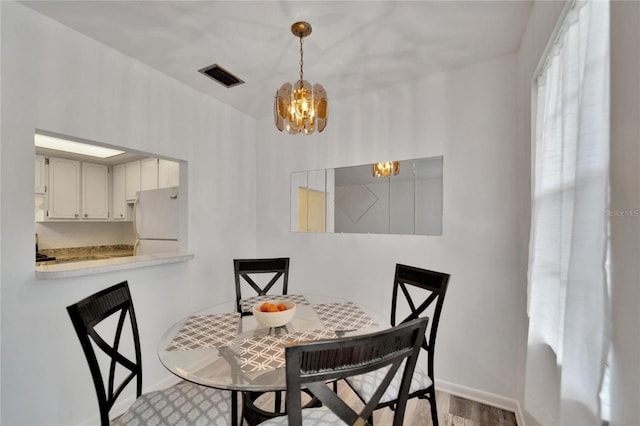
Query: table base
255	415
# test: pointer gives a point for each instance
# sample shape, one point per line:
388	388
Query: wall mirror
401	197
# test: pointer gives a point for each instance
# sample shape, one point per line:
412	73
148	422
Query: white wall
625	197
467	115
58	80
1	222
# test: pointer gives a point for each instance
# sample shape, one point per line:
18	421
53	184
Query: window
568	302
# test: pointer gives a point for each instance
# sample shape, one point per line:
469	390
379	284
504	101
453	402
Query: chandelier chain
301	60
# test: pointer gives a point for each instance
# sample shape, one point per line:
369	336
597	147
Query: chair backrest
248	269
311	365
86	315
426	301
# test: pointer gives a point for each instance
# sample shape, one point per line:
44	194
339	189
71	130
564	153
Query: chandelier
299	108
386	169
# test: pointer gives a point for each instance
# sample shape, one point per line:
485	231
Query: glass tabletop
216	347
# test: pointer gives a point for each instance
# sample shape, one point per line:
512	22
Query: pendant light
299	107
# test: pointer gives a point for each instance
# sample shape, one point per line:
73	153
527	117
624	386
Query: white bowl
274	319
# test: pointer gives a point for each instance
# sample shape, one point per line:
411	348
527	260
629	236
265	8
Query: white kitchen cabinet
95	191
41	174
148	174
168	173
64	188
132	179
118	200
145	174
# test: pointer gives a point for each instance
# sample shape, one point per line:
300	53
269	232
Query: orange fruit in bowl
274	313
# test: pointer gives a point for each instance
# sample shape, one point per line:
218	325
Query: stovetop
43	257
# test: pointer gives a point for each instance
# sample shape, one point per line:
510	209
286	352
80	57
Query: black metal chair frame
85	316
311	365
436	283
244	268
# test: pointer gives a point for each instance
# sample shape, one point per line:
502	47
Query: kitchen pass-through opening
109	206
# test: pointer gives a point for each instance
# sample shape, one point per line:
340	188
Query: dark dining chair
254	273
311	365
99	321
248	271
423	293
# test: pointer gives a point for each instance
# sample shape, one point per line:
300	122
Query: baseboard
483	397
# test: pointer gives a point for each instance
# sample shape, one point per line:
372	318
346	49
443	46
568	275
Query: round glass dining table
219	348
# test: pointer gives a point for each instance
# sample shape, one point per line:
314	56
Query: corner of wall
493	400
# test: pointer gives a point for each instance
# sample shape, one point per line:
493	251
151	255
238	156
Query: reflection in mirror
311	203
358	199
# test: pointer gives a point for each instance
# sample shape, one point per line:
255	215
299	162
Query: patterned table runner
267	352
343	316
247	304
206	331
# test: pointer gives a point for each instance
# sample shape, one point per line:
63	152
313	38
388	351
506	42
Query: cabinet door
64	189
132	179
148	174
119	203
41	175
95	191
168	173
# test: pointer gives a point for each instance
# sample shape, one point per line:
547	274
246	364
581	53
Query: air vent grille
222	76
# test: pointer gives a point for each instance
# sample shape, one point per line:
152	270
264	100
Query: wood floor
452	411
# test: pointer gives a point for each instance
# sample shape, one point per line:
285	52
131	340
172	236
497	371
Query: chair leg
234	408
434	409
278	402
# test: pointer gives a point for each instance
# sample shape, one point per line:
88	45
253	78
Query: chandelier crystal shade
386	169
301	107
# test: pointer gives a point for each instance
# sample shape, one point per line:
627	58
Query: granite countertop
83	267
78	254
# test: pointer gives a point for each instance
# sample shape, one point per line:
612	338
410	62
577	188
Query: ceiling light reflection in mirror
353	200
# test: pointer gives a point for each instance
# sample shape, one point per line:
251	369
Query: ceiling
355	46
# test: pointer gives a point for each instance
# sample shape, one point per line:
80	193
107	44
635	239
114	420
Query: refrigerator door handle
135	222
135	247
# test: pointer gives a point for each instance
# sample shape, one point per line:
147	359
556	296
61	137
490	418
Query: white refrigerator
156	221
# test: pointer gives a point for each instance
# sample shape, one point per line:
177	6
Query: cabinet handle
86	215
121	215
76	215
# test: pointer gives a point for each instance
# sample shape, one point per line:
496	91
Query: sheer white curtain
568	302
